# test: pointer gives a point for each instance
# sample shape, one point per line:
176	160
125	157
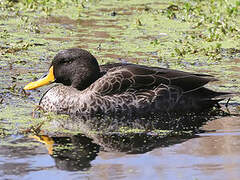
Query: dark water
209	155
212	154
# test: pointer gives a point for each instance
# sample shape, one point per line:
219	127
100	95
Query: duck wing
106	67
118	78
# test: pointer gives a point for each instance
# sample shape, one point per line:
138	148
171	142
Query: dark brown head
75	67
72	67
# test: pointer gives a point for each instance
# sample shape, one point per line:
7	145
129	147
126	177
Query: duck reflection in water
75	152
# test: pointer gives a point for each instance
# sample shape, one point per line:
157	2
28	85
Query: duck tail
219	96
212	98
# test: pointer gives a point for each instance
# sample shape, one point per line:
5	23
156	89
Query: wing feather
118	78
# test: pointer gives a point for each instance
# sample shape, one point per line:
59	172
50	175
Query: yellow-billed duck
87	88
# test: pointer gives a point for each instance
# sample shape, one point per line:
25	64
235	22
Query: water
210	155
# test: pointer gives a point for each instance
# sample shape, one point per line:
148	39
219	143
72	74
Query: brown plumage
119	88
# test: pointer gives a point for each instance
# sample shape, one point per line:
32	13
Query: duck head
72	67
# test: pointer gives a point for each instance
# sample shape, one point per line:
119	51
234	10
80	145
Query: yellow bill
41	82
48	141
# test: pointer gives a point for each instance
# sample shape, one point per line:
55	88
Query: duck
85	88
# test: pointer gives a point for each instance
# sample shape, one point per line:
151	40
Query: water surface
114	31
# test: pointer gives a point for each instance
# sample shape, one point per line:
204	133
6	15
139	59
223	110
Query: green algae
156	132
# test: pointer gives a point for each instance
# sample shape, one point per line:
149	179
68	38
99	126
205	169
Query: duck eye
68	62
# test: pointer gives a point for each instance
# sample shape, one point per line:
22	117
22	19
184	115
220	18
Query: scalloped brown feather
128	88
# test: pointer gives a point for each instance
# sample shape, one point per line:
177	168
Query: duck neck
86	81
